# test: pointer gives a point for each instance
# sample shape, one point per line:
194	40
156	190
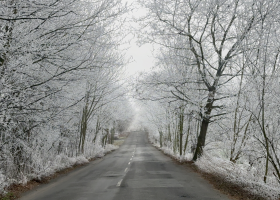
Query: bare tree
214	33
48	51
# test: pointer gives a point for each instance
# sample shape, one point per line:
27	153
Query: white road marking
125	170
130	158
129	163
119	183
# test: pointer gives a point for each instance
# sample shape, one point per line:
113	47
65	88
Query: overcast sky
141	56
142	59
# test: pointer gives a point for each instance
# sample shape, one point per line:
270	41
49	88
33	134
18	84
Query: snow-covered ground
56	164
241	174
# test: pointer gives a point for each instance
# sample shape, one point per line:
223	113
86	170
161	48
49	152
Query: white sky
141	56
142	59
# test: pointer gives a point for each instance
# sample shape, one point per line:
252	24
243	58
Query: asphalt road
136	171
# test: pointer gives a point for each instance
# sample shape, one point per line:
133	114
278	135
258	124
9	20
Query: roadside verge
14	191
220	181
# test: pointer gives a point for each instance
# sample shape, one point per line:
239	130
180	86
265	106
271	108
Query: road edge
15	191
232	190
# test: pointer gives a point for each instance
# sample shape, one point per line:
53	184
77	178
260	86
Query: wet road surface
136	171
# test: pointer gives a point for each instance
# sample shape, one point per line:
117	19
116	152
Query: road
136	171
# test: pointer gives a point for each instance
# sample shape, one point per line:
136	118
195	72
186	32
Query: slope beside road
135	171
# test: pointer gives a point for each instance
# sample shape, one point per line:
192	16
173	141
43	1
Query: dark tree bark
204	125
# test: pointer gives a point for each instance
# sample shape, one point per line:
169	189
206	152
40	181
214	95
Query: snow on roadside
43	169
240	174
100	151
59	162
110	147
4	182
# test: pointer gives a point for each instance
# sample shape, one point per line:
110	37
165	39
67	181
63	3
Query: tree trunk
201	139
181	129
97	129
204	125
188	133
112	135
160	138
169	133
83	125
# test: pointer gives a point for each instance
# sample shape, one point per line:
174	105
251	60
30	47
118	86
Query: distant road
136	171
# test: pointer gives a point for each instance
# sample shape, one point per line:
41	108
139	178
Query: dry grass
118	142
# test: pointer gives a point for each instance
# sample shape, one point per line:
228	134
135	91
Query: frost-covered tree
55	57
214	32
220	60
